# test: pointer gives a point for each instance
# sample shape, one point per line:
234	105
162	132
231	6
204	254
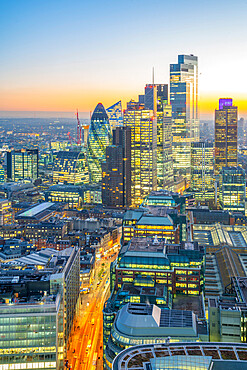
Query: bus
94	363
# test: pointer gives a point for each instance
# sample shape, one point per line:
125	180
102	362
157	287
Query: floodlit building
232	189
177	266
70	168
184	102
143	126
202	170
37	309
226	135
7	214
22	164
99	138
70	194
164	148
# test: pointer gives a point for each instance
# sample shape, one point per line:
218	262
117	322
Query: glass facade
99	138
70	167
226	135
184	102
71	195
232	189
202	170
143	153
181	362
164	148
22	164
115	115
31	336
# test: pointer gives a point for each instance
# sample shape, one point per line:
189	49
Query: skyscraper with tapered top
184	102
226	135
99	138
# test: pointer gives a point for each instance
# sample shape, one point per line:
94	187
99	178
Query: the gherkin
99	138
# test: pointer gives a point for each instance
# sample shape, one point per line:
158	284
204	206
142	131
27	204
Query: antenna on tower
153	76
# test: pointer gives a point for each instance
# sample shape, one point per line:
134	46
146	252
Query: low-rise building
46	229
180	267
182	355
138	323
228	313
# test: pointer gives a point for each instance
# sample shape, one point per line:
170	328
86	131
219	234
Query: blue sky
57	55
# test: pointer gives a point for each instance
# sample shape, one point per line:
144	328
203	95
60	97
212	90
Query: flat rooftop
146	244
189	303
152	220
225	356
34	211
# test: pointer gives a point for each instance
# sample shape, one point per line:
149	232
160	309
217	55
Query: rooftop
34	211
225	356
155	220
144	320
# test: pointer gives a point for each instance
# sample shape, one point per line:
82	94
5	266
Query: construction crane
80	127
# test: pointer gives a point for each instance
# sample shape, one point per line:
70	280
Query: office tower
112	177
115	115
99	138
155	93
241	131
164	148
116	173
226	135
22	164
184	102
143	124
2	174
7	214
202	170
232	188
37	310
135	105
151	270
70	168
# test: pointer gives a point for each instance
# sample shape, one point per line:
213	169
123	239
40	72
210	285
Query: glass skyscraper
22	164
115	115
155	93
184	102
164	148
99	138
226	135
202	170
70	168
232	189
143	125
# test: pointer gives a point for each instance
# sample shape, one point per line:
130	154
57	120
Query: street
86	341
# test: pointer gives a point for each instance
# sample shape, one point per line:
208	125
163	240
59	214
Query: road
86	341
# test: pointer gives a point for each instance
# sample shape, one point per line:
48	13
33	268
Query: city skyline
58	57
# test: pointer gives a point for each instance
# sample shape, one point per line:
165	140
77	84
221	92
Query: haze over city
58	56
